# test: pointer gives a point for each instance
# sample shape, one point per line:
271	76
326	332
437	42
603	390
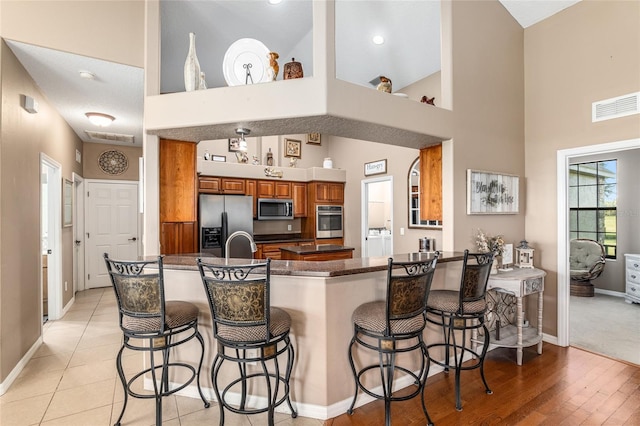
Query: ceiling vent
109	137
616	107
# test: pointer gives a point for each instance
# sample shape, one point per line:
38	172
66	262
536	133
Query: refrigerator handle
225	233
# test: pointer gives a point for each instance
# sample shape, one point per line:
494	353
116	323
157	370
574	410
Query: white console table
518	283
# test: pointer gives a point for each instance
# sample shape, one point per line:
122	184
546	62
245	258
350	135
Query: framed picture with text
492	193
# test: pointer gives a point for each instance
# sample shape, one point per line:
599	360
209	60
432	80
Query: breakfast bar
320	298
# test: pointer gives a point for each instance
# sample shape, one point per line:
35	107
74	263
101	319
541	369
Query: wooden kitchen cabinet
178	237
334	241
218	185
251	189
271	250
274	189
431	183
299	199
328	192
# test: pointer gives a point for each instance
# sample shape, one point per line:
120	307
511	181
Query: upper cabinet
327	192
425	189
177	181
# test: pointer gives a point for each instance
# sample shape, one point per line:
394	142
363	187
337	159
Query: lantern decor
524	255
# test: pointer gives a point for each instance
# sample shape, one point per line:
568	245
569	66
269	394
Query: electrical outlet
288	227
65	286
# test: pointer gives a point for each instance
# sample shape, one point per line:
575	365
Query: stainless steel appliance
329	222
275	209
221	216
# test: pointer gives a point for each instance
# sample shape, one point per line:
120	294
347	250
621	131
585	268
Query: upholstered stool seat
248	331
457	312
393	326
150	324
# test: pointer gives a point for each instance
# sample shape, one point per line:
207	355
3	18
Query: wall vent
620	106
109	137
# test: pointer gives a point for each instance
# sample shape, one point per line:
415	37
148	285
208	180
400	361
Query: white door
50	230
78	234
111	224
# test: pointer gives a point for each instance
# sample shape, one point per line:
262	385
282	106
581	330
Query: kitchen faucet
254	248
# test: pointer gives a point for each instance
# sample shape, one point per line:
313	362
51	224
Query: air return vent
616	107
109	137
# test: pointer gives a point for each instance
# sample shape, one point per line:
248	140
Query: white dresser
632	272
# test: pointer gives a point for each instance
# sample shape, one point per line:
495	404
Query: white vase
191	66
327	163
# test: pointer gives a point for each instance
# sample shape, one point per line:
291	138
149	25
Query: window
592	203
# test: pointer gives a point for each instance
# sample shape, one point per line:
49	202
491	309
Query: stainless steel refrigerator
221	216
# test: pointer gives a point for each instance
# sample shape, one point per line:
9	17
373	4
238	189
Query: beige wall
108	30
586	53
429	86
488	107
23	137
92	151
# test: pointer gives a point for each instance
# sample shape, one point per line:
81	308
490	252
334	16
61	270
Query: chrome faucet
254	248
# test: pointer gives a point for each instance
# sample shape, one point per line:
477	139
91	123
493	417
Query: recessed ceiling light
378	39
87	75
99	119
275	1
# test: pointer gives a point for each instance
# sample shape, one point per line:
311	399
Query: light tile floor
72	379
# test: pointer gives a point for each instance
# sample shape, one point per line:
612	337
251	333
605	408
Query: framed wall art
375	167
492	193
67	203
314	139
292	148
234	144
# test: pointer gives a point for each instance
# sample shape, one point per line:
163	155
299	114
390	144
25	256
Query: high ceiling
285	28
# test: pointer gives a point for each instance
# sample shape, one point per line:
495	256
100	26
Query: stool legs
387	368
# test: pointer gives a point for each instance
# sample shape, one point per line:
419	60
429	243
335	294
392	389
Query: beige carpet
607	325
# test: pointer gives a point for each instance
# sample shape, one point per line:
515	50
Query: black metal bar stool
460	311
248	330
394	326
151	324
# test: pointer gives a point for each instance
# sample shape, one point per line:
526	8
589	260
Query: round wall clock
113	162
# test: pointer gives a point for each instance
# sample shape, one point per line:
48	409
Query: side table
518	283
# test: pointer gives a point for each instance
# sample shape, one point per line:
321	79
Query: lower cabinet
178	237
335	241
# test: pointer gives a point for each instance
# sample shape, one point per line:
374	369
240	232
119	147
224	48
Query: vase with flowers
487	243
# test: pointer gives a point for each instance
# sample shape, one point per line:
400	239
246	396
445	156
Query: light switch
401	231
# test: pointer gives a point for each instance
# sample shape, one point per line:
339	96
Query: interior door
111	222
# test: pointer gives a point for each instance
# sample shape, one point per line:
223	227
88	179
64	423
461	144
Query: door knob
133	239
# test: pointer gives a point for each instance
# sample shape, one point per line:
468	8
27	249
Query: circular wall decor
113	162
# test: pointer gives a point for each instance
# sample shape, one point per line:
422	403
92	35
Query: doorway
564	158
50	237
377	217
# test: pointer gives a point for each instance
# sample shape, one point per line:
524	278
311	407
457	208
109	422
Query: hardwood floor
563	386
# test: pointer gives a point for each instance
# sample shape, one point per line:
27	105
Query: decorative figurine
242	157
292	162
273	65
255	161
384	85
206	155
427	100
269	158
292	69
203	82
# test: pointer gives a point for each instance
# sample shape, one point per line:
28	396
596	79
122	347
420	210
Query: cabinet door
336	241
210	185
431	183
266	189
328	192
282	189
177	194
250	189
178	237
299	199
233	186
336	193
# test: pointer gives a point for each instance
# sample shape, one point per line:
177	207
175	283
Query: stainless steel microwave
275	209
329	222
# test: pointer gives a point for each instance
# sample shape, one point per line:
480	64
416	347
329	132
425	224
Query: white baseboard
68	306
610	292
6	384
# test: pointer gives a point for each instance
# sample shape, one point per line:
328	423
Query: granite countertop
320	248
331	268
280	238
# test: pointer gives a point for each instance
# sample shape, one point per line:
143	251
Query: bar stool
462	310
394	326
248	330
152	325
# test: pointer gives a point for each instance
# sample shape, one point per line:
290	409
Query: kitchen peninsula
320	297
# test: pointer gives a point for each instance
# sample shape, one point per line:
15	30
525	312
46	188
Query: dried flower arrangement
487	243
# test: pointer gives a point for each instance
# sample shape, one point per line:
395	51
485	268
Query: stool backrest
238	295
476	268
408	287
139	289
